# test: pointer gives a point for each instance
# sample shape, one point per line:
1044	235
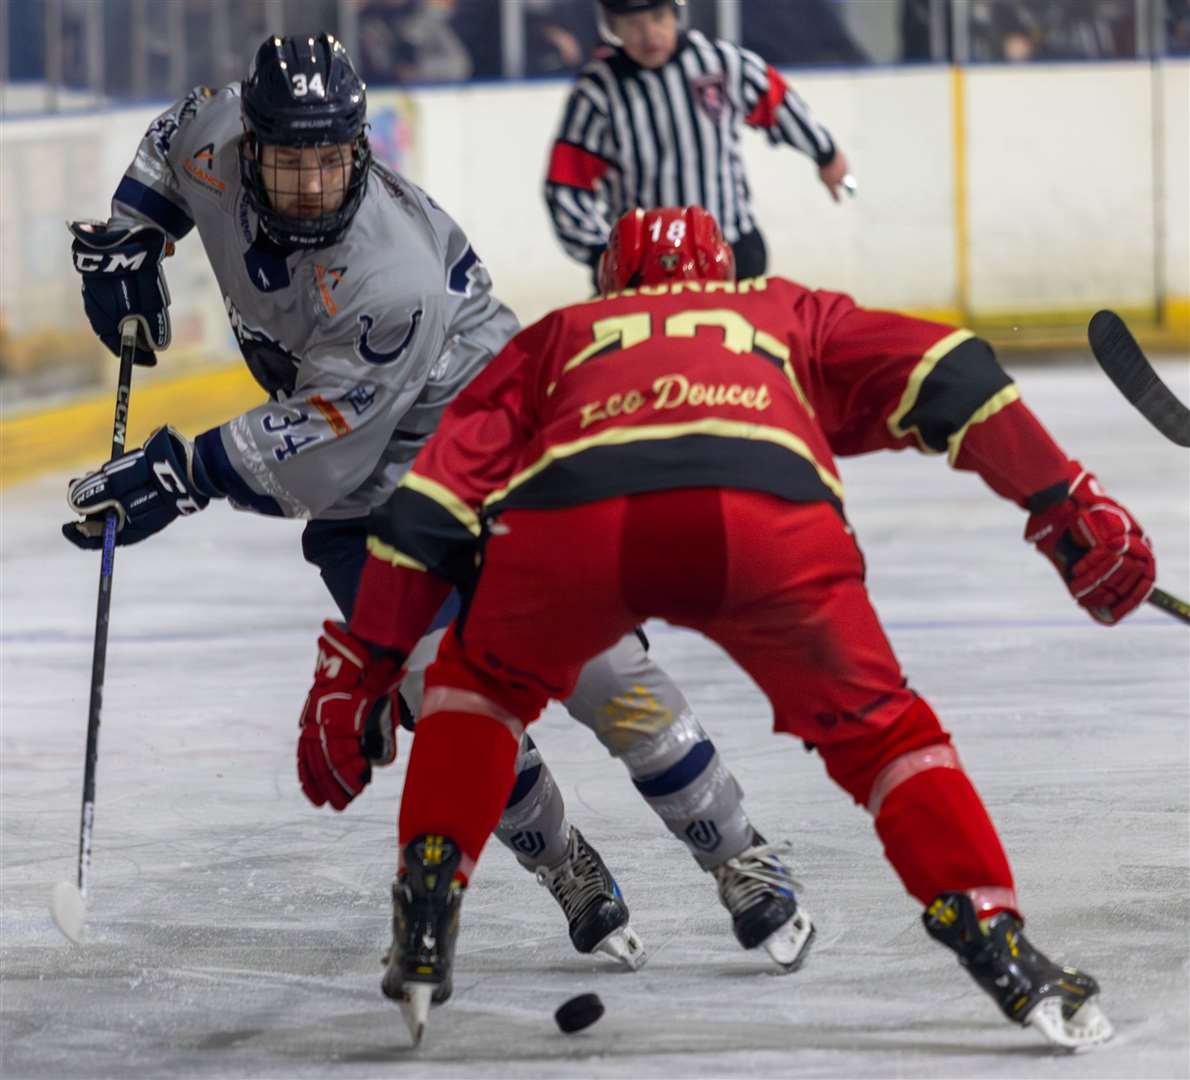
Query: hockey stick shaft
1124	362
102	610
1179	609
1126	365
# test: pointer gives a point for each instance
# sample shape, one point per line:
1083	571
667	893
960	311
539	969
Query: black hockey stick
1179	609
1127	366
68	903
1121	358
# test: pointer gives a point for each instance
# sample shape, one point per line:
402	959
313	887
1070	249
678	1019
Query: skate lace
577	881
754	874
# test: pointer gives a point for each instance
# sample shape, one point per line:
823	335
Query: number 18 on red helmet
673	243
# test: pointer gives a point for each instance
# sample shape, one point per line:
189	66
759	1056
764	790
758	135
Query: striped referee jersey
669	136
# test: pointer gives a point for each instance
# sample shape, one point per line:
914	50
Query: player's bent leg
940	840
643	718
460	773
535	828
935	830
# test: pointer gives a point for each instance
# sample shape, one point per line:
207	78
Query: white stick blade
68	910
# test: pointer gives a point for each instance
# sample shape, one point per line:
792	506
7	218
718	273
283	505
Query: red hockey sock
939	838
935	830
461	771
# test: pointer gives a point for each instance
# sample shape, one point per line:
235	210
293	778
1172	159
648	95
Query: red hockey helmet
673	243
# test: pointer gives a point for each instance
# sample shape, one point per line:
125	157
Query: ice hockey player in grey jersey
362	310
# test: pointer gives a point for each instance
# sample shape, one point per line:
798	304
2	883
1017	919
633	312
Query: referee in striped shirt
657	123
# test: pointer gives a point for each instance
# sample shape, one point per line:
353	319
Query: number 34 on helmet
673	243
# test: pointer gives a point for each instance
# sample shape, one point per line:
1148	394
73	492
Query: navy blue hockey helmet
304	92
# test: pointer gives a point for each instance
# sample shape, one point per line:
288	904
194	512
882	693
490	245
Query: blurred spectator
1004	30
410	41
1019	30
1086	29
559	35
477	23
1177	27
798	32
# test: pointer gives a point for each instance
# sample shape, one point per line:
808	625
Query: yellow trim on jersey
987	410
918	376
392	556
727	429
445	498
775	348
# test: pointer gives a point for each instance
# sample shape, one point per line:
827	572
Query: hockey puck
578	1013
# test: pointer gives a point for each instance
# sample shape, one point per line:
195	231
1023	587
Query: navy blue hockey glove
147	488
122	277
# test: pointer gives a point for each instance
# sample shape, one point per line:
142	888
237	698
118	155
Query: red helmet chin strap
651	247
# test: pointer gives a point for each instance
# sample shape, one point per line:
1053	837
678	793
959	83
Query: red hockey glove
350	719
1101	552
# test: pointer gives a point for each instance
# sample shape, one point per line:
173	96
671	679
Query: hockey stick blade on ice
1121	358
68	902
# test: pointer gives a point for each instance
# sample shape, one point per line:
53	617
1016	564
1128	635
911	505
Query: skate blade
415	1009
789	945
1086	1028
625	946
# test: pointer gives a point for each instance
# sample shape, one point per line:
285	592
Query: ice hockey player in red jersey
668	451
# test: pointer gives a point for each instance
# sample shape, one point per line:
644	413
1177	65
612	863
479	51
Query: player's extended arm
774	107
890	381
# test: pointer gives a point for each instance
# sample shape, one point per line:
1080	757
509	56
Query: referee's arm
775	108
573	184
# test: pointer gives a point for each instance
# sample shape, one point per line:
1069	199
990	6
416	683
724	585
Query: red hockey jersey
754	384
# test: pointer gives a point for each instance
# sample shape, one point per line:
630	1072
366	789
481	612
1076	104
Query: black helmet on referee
303	98
604	8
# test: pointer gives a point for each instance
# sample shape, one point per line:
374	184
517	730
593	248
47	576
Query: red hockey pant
778	585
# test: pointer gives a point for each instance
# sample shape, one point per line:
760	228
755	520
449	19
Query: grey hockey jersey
360	345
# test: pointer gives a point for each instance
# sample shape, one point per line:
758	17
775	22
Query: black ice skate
1030	989
591	901
426	901
756	887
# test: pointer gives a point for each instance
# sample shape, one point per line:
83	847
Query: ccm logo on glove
86	262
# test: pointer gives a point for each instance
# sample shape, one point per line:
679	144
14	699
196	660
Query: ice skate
426	901
590	899
1031	990
756	887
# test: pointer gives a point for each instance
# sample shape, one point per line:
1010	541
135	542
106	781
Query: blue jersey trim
221	472
155	206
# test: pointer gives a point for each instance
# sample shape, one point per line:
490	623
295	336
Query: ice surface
234	931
